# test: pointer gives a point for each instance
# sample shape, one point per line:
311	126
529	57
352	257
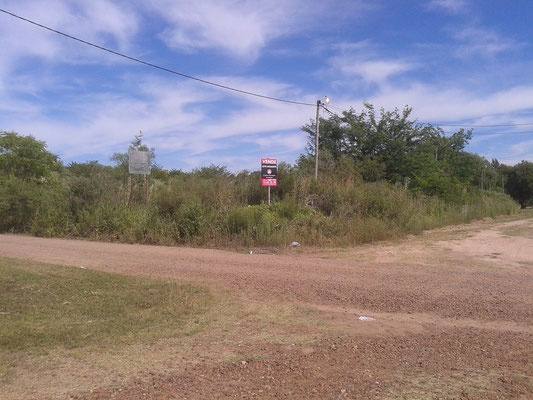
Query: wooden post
131	190
146	190
269	195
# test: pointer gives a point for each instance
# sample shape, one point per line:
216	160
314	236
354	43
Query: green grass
335	211
52	316
43	307
521	231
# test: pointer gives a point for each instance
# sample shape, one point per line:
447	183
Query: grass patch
521	231
473	386
43	307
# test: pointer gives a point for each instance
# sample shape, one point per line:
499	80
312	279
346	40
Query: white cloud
101	21
482	42
174	117
522	149
242	28
362	59
450	6
241	31
374	71
437	104
192	121
238	27
290	141
514	154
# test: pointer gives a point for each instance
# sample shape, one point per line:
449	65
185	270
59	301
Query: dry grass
92	329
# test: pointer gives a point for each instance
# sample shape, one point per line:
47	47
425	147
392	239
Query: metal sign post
269	174
139	164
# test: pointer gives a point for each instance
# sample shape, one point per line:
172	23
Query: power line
336	108
155	65
500	133
481	126
461	125
447	133
331	112
149	64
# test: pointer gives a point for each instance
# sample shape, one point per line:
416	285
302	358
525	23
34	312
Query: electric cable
481	126
149	64
331	112
245	92
462	125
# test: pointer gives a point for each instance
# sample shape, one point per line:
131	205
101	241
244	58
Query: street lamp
317	130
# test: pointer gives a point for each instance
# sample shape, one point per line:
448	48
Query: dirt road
453	309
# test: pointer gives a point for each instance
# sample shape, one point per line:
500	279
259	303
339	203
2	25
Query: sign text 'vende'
269	172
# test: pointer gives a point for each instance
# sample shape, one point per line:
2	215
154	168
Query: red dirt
451	321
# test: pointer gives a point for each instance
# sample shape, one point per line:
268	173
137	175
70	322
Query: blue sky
454	61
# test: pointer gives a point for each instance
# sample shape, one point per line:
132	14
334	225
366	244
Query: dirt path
477	274
452	306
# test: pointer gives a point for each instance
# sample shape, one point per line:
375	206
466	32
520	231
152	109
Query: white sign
139	162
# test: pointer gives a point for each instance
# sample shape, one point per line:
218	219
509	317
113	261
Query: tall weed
214	208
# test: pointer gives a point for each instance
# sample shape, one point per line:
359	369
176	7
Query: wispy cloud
101	21
84	102
483	42
522	148
242	28
362	60
450	6
432	103
373	71
174	117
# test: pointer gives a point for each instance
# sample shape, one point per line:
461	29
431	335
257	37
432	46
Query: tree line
381	175
390	146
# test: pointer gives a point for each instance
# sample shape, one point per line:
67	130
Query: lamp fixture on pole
317	131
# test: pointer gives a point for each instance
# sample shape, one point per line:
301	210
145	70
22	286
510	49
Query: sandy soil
452	309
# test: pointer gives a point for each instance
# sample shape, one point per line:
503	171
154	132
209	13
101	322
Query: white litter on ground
295	244
363	318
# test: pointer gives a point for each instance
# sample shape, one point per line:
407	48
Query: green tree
25	158
91	184
389	145
520	183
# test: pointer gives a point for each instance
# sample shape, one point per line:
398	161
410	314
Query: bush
38	208
189	220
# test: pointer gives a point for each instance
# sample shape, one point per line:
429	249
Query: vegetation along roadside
382	175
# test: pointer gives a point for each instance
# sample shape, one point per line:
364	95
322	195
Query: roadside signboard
269	172
139	162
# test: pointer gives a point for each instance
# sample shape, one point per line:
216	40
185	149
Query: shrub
189	219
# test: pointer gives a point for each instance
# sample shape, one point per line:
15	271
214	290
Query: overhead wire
476	133
149	64
463	125
245	92
499	133
331	112
482	126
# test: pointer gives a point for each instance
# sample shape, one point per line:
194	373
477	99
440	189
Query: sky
455	62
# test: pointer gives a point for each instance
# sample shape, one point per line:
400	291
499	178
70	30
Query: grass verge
68	329
45	307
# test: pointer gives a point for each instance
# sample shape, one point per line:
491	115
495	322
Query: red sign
269	172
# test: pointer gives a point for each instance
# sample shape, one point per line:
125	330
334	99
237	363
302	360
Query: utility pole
317	132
